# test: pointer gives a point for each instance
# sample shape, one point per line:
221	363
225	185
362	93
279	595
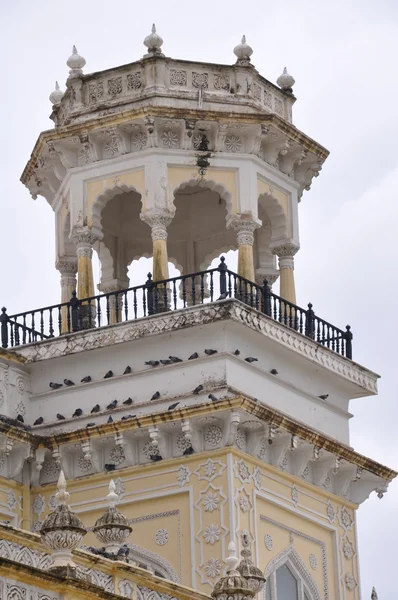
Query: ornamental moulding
200	315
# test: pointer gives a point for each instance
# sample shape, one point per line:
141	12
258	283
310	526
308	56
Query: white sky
343	55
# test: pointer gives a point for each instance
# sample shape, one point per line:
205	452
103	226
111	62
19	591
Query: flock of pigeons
151	363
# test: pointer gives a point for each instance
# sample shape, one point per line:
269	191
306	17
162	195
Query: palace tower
218	408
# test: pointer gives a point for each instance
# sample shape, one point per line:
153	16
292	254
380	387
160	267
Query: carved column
158	221
286	254
84	238
245	226
67	269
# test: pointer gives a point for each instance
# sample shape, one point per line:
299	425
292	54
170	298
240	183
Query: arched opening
125	238
198	232
287	578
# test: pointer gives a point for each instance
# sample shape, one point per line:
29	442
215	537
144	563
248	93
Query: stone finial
243	52
57	95
374	595
286	81
248	569
62	530
112	528
153	42
233	585
76	63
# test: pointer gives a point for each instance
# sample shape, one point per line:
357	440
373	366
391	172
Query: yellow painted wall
193	497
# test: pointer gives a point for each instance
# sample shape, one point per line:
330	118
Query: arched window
289	579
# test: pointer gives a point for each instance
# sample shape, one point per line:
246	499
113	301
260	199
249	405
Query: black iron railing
171	294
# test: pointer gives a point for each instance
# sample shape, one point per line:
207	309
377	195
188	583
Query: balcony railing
170	294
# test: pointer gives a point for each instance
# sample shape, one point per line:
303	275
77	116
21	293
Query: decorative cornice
113	120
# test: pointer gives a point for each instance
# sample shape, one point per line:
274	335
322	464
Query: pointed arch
293	561
157	563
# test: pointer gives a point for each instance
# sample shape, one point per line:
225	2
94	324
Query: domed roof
233	583
112	518
62	518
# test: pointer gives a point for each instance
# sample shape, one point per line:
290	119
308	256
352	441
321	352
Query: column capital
66	266
285	253
84	238
244	225
158	220
286	249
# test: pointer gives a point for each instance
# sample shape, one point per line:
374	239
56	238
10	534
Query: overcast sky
343	55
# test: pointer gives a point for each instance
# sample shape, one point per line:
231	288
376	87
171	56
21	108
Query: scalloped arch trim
276	215
207	184
292	559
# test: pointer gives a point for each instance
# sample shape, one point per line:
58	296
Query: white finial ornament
112	497
153	42
56	96
62	496
76	63
243	52
286	81
231	560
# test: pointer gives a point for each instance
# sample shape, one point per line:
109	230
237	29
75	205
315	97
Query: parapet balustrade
175	293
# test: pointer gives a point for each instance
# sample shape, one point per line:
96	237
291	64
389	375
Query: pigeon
274	372
188	451
212	397
237	352
109	467
95	408
60	417
127	370
324	396
223	296
128	402
108	375
251	359
123	550
173	406
86	379
39	421
193	356
78	413
55	386
156	457
209	352
152	363
128	417
166	361
112	405
68	382
90	425
110	420
175	359
20	418
198	389
156	396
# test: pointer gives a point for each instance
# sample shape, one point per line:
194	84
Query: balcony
174	294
